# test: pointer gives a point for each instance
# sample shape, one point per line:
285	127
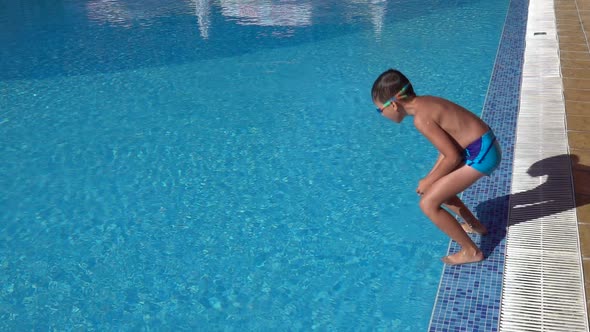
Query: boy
467	147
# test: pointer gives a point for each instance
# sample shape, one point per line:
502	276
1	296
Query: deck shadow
552	196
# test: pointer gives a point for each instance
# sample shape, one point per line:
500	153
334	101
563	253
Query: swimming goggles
400	95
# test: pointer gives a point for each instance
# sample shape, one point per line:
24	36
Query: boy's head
389	84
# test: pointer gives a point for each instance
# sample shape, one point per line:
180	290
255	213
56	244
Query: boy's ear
394	104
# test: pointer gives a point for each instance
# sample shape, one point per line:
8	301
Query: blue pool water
218	165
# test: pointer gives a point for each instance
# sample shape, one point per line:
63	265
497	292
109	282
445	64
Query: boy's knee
430	205
427	205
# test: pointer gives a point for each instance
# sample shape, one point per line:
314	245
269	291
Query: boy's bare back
460	124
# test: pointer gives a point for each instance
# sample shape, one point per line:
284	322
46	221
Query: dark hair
388	84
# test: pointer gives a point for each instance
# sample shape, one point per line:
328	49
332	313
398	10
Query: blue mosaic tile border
469	295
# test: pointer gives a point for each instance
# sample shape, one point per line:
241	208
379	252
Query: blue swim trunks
484	154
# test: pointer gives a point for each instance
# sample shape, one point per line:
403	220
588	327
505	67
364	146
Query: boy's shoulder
432	109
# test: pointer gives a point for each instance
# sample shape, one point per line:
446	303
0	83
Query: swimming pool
218	165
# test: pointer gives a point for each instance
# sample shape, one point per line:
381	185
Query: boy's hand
423	186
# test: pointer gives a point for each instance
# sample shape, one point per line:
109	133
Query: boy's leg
430	203
471	225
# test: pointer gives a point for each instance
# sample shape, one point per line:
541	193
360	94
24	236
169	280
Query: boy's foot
475	228
462	257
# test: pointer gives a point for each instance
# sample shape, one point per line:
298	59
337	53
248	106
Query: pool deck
573	29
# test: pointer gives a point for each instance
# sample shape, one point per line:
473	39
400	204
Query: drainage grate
543	286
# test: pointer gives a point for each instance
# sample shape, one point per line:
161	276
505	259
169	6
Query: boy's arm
438	160
449	157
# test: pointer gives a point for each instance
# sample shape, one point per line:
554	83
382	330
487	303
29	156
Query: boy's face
390	110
